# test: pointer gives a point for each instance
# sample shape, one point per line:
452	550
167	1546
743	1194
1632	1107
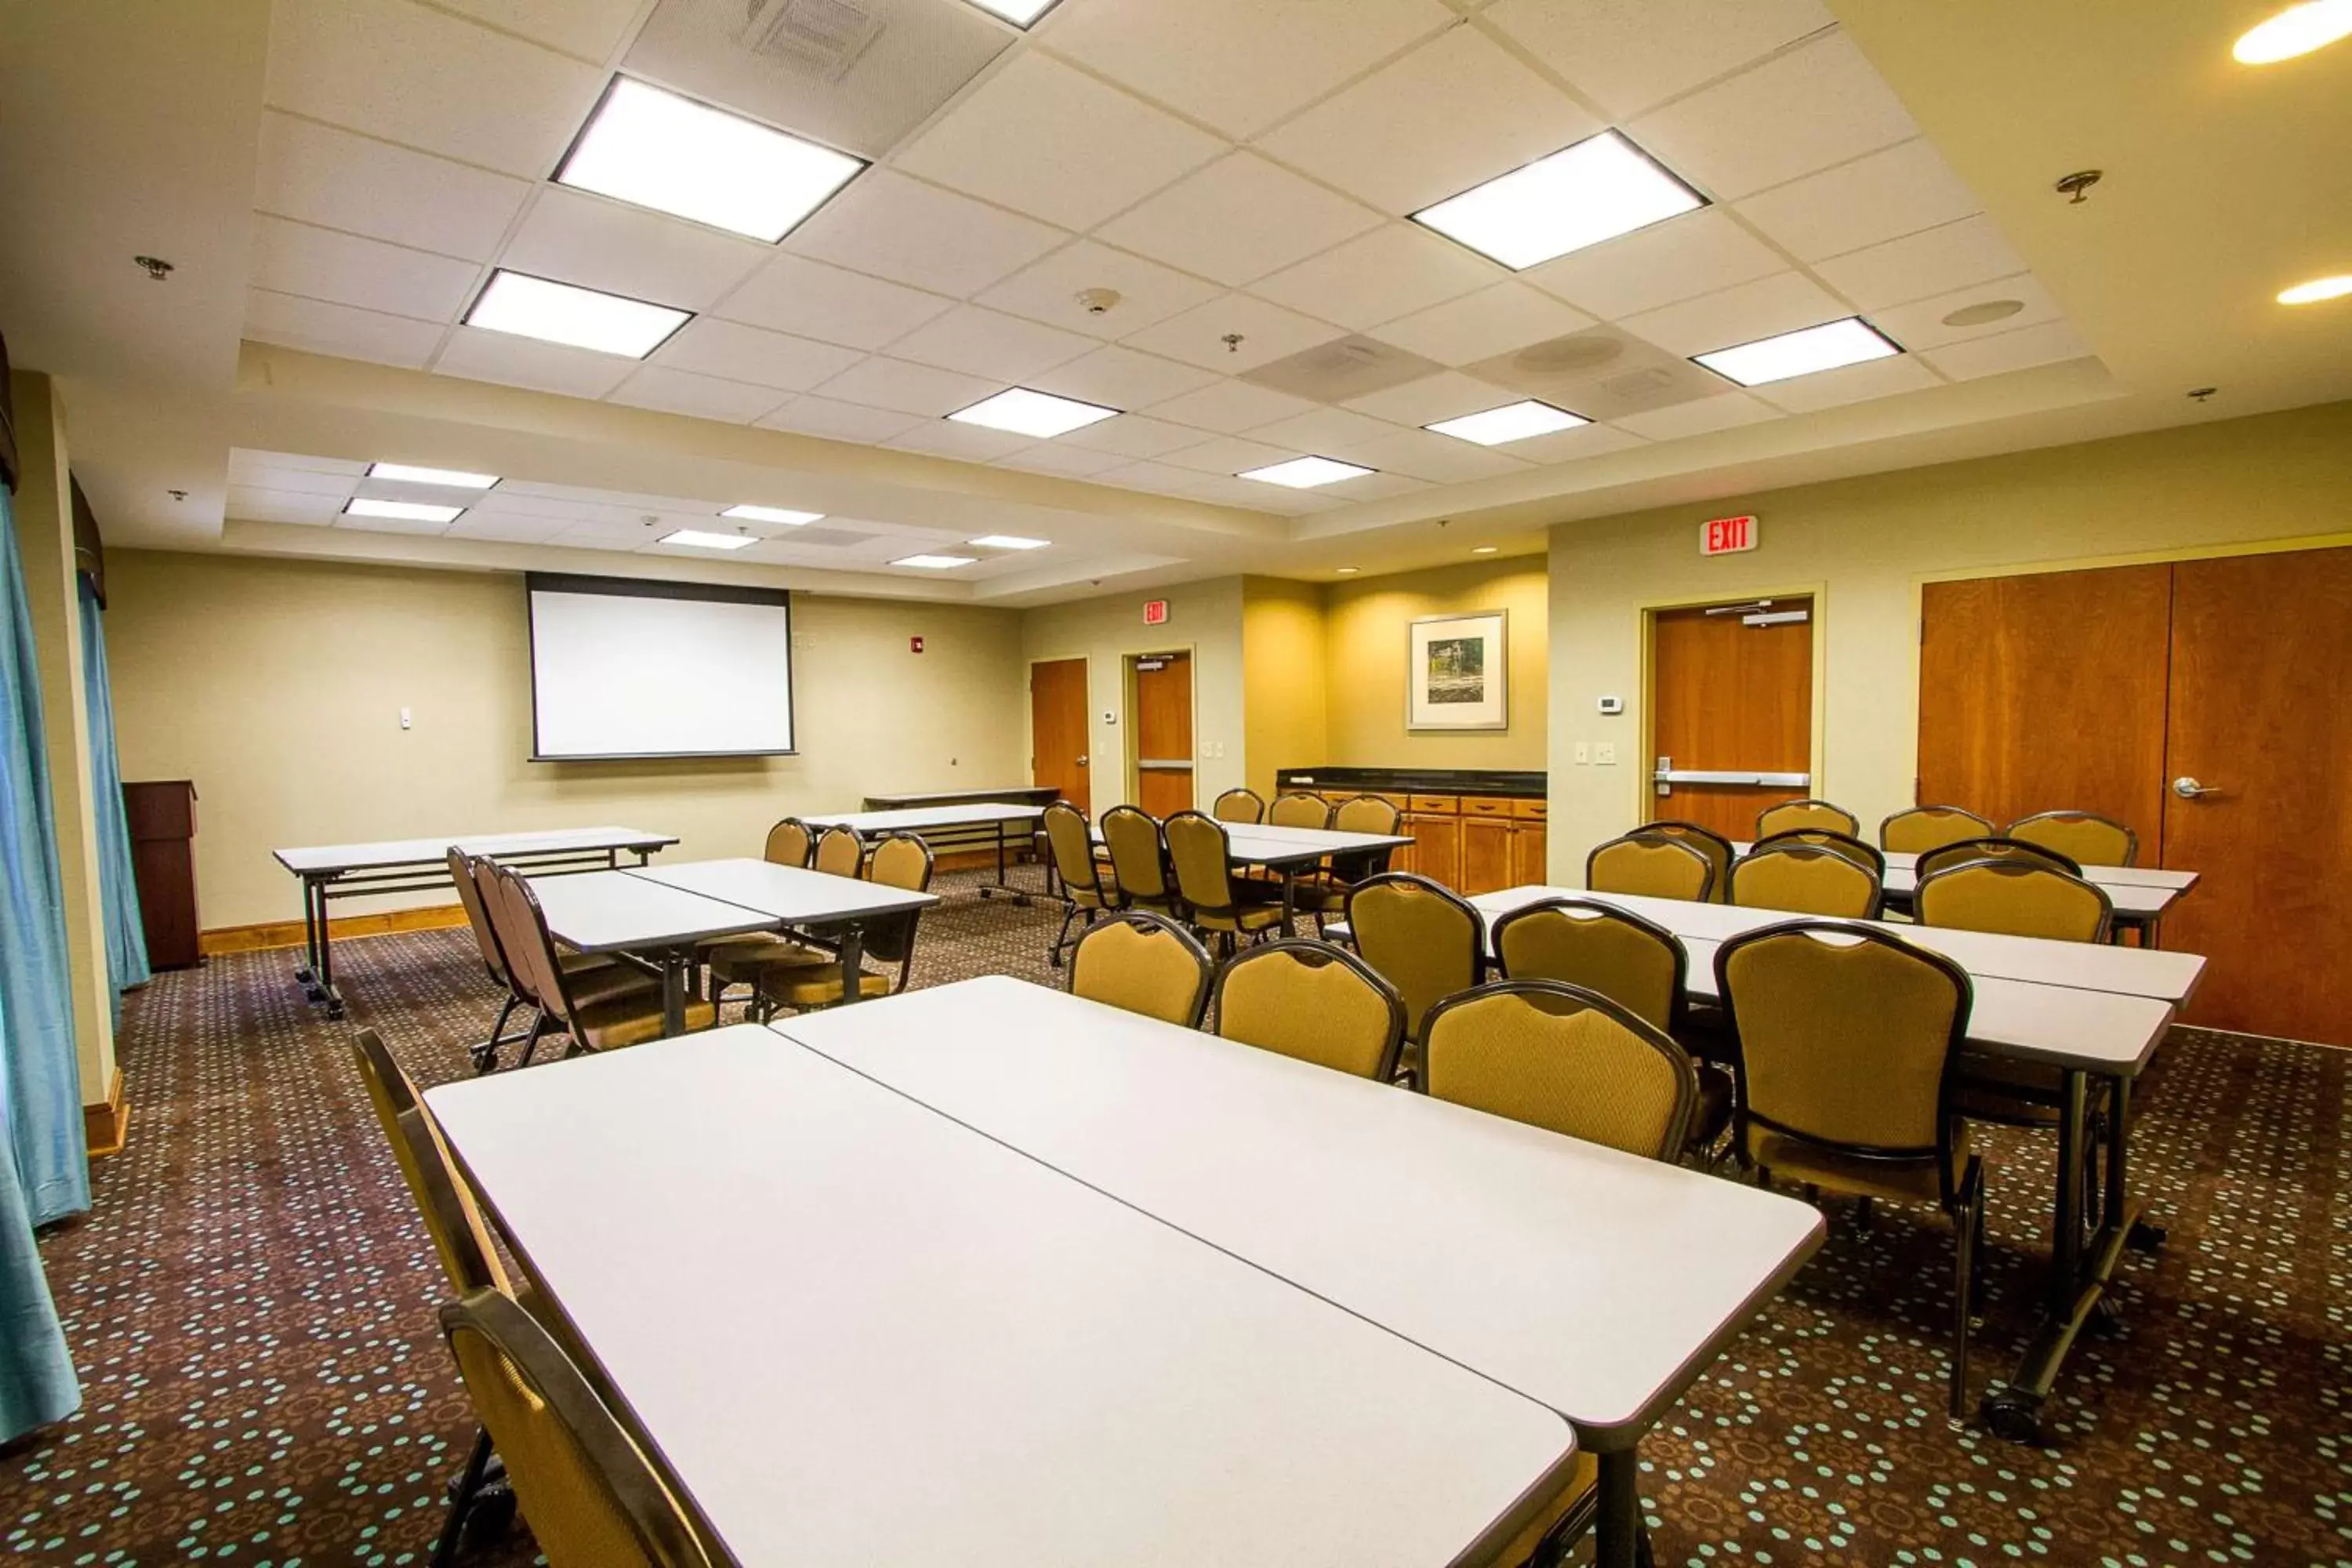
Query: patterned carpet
250	1304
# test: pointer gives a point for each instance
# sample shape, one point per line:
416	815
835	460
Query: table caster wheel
2145	1235
492	1515
2105	1320
2014	1417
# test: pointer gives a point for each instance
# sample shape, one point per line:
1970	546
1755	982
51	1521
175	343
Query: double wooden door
1731	695
2198	702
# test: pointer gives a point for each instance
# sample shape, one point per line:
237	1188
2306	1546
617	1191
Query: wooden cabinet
1486	853
1529	864
161	816
1436	851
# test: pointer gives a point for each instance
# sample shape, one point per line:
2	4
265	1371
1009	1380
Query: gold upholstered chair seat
631	1021
1853	1175
594	985
739	958
817	985
1569	1514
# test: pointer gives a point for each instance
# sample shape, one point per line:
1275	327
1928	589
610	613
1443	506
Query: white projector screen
625	668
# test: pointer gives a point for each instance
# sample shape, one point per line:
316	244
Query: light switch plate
1605	753
1583	753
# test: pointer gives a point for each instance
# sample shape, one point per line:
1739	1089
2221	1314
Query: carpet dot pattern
250	1305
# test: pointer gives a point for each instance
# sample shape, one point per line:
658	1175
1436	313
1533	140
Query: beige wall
1865	545
1367	656
1282	678
277	686
1205	617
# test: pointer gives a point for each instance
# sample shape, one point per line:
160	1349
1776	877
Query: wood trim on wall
106	1126
270	935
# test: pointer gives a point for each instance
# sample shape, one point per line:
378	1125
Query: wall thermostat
1612	705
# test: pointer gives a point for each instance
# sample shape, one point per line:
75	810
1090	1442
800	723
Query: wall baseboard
106	1127
269	934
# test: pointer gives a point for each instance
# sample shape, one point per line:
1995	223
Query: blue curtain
45	1173
126	939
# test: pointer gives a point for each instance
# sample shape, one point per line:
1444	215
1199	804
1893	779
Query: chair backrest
1806	814
1847	1036
1239	805
1805	879
592	1495
1926	827
1366	814
1073	847
1419	937
1141	963
1713	844
1311	1000
477	917
1965	850
901	860
1198	849
839	851
1565	1058
1634	962
446	1203
1651	865
1138	858
1865	856
2015	896
531	959
789	842
1299	810
2083	837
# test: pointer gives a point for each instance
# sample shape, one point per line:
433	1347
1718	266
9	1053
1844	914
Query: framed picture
1460	673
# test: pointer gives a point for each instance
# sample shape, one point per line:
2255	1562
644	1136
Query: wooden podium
162	818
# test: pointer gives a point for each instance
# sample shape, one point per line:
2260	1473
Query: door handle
1082	761
2188	788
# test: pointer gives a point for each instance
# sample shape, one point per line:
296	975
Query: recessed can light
409	473
2316	290
1484	548
1306	473
1512	422
1009	542
935	563
696	538
1830	346
776	514
2298	30
402	511
554	313
655	149
1347	571
1984	313
1602	187
1039	414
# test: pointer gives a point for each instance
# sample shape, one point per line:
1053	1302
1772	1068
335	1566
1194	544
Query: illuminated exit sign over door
1726	535
1155	612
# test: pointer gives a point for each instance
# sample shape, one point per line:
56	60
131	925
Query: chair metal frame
1319	954
2131	839
1719	855
1233	907
1679	1008
1461	905
835	832
485	1053
1993	847
1107	899
1985	827
1155	924
1868	855
1853	824
2016	866
1775	847
1257	805
1644	835
1276	805
1167	894
808	836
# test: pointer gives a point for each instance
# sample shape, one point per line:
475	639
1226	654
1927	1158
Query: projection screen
626	669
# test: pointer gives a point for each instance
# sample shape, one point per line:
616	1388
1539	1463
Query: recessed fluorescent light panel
1830	346
935	563
776	514
2298	30
699	539
1512	422
1009	542
402	511
1020	12
654	148
554	312
1038	414
408	473
1602	187
2317	290
1305	473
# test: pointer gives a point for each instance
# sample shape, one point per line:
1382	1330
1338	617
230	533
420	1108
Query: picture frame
1458	672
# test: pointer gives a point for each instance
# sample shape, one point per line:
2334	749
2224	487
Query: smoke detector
1098	302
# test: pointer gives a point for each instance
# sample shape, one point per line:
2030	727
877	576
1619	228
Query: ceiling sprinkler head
1233	342
177	495
1098	302
2201	393
156	269
2077	185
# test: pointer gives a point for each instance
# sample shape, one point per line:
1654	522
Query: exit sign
1726	535
1155	612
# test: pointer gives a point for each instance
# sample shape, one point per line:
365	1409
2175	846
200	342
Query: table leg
1617	1528
326	971
1289	898
853	962
1003	883
674	979
307	972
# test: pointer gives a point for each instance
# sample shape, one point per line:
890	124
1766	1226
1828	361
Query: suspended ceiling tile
1267	333
1899	191
1766	308
1921	324
1934	262
810	299
908	388
428	79
1121	378
737	353
243	461
256	504
591	29
389	525
1853	383
1046	139
1491	321
1680	258
893	227
1627	55
1802	112
481	355
1239	64
505	528
1229	407
1060	458
1395	271
1237	220
317	327
1704	416
1446	396
970	443
671	391
1575	446
1441	459
337	180
838	421
1454	112
1324	430
598	243
1133	435
1049	290
990	343
344	270
1231	454
2049	343
1373	487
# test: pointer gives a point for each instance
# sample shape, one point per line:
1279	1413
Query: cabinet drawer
1485	806
1445	804
1530	810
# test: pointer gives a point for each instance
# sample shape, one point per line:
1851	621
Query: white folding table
2141	895
1290	850
1595	1282
856	1331
329	871
793	896
626	913
950	818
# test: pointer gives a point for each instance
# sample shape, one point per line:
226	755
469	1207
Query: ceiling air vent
1341	369
1601	372
822	36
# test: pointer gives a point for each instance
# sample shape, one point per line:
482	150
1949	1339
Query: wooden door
1057	729
1162	735
2259	649
1726	697
2046	692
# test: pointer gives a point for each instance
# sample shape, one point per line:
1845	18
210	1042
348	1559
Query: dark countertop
1415	781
